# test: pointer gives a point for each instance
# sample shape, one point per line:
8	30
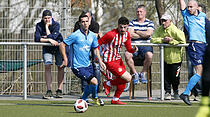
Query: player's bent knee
126	76
128	79
94	81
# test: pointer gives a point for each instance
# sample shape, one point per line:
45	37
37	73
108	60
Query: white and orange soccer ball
80	106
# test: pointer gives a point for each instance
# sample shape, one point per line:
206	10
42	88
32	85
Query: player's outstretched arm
182	4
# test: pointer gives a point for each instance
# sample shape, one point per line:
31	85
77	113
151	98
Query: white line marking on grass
158	106
174	106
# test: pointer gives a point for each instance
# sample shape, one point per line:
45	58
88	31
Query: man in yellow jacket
168	33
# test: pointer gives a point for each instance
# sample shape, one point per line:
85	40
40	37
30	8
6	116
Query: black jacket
94	26
54	30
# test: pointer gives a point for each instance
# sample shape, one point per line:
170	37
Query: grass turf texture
65	109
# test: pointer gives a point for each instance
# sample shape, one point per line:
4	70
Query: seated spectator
140	29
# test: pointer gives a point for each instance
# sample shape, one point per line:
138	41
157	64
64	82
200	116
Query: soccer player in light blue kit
81	43
194	22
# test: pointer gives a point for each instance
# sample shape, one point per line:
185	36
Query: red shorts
117	67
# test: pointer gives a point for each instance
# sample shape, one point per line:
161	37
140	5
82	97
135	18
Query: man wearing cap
48	31
168	33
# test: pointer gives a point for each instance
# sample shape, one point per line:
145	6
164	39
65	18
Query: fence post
64	36
162	72
64	18
25	72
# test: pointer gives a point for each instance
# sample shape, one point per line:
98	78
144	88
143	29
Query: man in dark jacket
48	31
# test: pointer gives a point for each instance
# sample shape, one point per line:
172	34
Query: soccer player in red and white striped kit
111	44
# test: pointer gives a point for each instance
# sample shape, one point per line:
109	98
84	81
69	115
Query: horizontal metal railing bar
24	43
152	44
141	43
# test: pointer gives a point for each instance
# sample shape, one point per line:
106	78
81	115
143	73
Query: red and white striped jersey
111	44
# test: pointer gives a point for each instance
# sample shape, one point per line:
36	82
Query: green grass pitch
65	109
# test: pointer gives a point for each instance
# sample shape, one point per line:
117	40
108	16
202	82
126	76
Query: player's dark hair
123	21
81	16
87	11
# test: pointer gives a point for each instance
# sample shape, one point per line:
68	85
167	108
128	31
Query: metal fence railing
161	46
23	74
22	70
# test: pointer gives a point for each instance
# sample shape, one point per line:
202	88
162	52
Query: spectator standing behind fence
111	44
94	27
140	29
48	31
170	34
194	22
204	110
81	43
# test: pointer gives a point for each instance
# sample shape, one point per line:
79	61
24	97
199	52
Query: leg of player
118	69
96	67
89	88
117	94
126	77
192	82
93	87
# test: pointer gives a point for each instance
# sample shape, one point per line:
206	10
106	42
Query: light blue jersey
80	48
195	25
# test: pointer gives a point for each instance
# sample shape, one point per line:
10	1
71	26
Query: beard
83	28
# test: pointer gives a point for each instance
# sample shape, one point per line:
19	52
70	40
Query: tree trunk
160	8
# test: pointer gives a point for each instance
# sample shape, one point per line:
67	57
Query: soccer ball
80	106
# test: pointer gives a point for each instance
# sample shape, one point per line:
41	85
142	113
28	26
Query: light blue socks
192	82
